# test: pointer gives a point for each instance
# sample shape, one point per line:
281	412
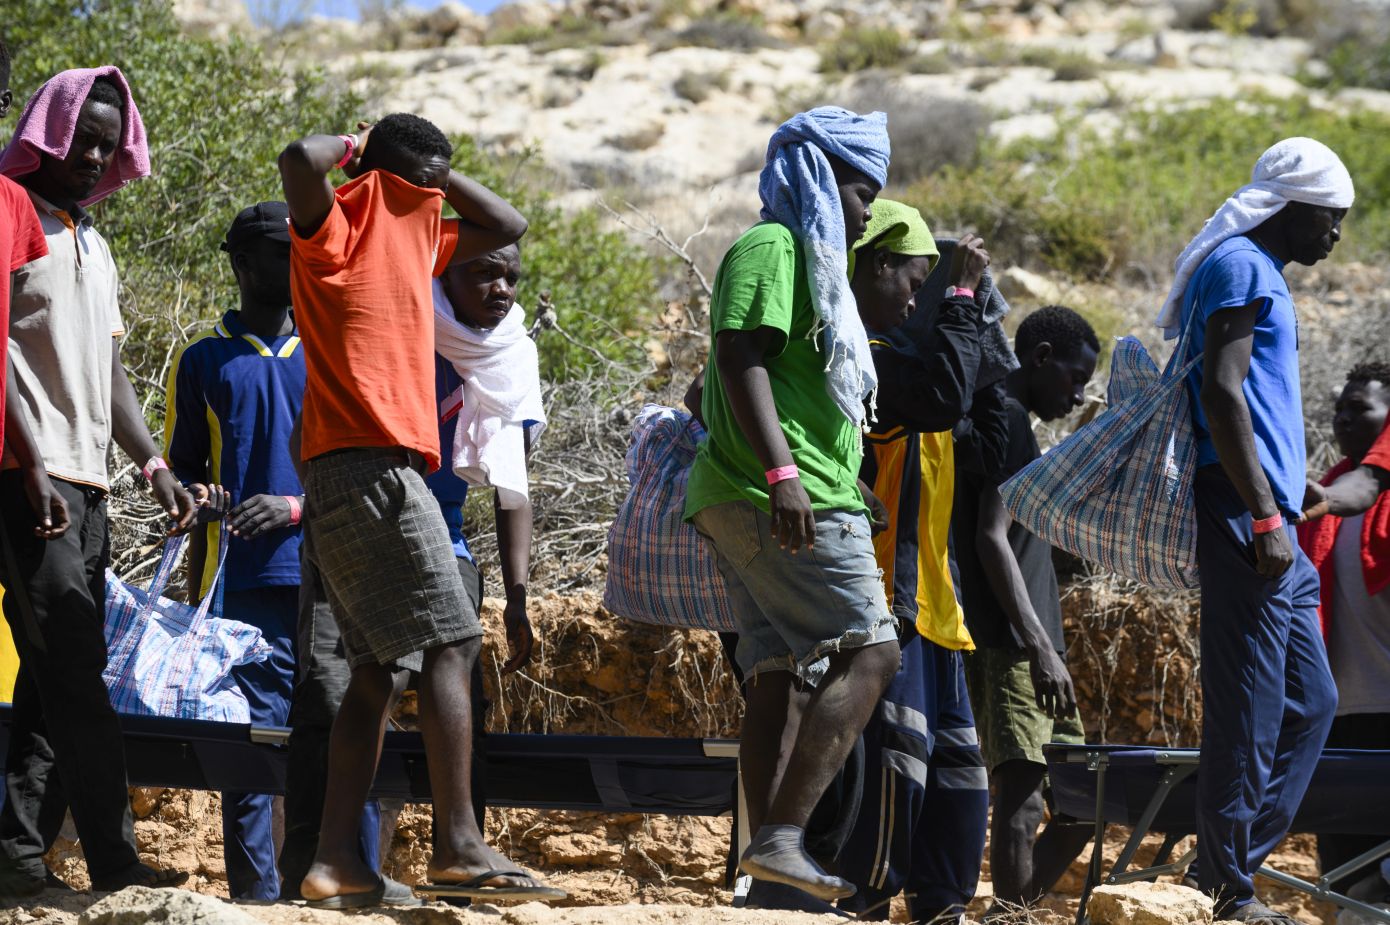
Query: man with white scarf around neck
1267	693
774	488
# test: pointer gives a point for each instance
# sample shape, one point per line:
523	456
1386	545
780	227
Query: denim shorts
793	610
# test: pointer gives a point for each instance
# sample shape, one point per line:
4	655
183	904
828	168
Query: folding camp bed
629	774
1155	790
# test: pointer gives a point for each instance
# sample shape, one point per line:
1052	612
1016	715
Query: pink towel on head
50	118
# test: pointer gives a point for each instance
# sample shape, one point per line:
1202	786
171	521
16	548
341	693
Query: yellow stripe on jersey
939	615
259	344
171	391
215	476
890	451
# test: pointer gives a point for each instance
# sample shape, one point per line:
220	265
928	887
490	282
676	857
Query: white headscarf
501	394
1294	170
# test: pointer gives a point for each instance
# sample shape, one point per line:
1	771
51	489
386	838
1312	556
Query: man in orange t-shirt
362	258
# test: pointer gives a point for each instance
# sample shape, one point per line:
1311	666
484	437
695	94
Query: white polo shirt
63	316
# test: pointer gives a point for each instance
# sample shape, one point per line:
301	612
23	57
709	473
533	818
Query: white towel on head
1293	170
501	393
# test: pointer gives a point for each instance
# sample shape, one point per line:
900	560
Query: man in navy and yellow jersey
921	825
233	397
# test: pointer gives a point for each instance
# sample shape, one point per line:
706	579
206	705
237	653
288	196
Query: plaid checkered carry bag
1118	491
660	570
170	659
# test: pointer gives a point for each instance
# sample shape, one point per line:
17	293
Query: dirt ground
595	674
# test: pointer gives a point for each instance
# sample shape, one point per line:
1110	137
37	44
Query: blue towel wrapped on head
798	190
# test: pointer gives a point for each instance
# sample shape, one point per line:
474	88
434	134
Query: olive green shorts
1010	723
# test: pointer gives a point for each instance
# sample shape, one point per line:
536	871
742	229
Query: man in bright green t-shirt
774	488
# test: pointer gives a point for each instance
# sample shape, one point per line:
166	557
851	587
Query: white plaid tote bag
170	659
1118	491
660	570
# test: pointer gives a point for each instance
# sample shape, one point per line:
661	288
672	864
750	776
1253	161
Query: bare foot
326	879
475	862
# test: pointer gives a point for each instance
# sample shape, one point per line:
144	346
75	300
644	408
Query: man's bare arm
133	435
1352	493
48	506
1051	682
488	221
739	356
1229	341
304	169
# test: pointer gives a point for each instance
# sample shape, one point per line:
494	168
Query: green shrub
859	49
1092	206
927	132
730	30
698	86
570	30
1359	61
603	286
1065	65
218	115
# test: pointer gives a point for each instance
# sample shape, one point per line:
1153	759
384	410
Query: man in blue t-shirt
233	397
1267	694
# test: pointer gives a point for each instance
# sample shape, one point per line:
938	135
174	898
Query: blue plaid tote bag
1118	491
660	570
169	659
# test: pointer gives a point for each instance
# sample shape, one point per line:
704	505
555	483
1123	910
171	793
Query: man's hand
48	506
1315	503
212	501
174	501
260	514
1051	682
353	168
1273	553
520	639
878	511
968	261
793	522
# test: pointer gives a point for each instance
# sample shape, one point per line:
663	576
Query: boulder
523	14
1019	285
216	19
1149	904
822	26
139	905
452	20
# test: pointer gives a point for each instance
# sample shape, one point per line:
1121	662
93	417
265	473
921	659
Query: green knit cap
899	229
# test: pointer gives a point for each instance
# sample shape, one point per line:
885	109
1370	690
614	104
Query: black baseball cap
263	220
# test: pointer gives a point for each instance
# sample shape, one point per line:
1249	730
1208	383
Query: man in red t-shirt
361	261
1346	534
21	241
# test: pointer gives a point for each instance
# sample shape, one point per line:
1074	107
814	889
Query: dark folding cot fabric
604	773
1349	793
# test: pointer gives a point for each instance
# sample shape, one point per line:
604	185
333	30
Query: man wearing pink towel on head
80	139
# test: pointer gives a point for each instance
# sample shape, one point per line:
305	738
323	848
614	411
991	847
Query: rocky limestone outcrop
1149	904
213	18
138	905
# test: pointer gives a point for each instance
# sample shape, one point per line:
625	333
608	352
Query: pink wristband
296	512
781	474
955	291
153	465
351	142
1268	524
